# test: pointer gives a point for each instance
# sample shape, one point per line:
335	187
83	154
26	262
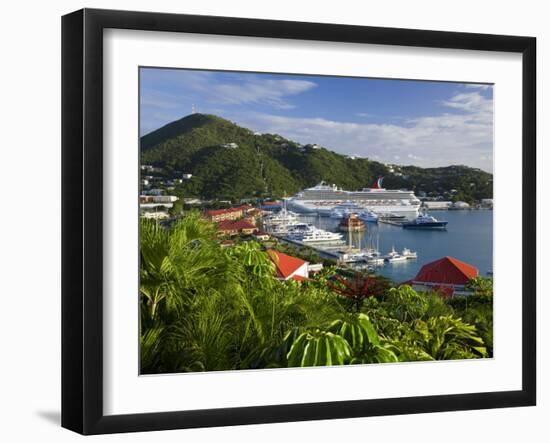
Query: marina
468	236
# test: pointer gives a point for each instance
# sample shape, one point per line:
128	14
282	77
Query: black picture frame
82	218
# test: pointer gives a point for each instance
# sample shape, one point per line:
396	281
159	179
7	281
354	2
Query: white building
157	198
155	191
437	204
460	205
156	215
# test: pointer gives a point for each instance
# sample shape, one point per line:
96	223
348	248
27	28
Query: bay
468	237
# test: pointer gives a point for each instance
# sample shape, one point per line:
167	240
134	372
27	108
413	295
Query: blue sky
395	121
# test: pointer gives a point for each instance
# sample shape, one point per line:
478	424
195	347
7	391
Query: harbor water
468	237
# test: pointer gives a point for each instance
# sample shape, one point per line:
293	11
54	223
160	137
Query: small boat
393	256
368	216
375	259
425	221
351	223
407	253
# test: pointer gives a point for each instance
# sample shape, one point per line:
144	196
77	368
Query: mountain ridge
229	161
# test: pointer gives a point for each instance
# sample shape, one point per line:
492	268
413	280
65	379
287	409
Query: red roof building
217	215
245	208
261	235
288	267
234	227
446	275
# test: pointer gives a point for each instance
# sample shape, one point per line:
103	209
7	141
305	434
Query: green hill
231	162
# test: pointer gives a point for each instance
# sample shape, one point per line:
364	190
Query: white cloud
245	90
477	86
270	92
464	135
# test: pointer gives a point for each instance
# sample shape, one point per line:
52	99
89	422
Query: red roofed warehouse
230	227
446	275
288	267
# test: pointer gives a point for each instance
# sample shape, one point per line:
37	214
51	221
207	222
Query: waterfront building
448	276
434	205
151	202
460	205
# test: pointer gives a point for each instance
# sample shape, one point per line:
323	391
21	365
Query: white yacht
281	228
375	259
368	216
407	253
279	222
322	198
344	209
307	233
283	216
393	256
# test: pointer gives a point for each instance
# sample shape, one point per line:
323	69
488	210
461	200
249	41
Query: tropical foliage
208	308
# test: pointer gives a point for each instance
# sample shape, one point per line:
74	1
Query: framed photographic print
270	221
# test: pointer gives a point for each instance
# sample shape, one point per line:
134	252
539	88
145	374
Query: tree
358	288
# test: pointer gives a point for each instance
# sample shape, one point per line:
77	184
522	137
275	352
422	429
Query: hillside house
235	227
217	215
288	267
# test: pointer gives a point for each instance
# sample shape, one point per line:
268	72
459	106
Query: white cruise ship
322	198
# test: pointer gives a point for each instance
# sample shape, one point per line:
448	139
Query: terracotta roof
231	225
446	270
222	211
285	264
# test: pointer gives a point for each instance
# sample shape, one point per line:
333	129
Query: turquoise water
469	237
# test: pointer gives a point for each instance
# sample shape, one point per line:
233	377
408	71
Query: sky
405	122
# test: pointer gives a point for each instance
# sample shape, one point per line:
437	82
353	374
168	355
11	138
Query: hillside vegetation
268	165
